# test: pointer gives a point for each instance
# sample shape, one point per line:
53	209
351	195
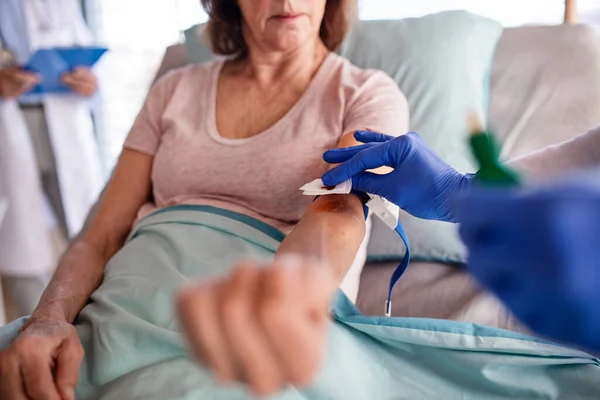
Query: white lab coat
25	247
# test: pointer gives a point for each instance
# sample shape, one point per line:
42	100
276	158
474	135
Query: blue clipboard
51	64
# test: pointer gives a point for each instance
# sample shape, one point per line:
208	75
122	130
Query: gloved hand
539	252
422	184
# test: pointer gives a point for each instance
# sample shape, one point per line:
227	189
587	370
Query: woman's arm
277	315
80	271
44	360
331	230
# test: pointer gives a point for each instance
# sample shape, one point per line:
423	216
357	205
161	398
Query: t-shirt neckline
321	75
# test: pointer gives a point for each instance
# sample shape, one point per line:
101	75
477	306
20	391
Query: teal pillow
442	64
195	46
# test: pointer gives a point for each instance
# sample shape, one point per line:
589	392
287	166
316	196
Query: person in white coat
49	159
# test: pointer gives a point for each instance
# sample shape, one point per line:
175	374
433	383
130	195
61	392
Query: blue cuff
364	199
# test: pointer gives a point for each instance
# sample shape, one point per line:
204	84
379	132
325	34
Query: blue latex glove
421	183
539	252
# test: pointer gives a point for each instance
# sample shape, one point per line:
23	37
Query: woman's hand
42	363
264	326
44	360
421	183
81	81
14	82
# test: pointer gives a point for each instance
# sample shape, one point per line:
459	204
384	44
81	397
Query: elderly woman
241	134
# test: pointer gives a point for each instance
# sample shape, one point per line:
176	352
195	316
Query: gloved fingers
507	278
478	206
531	305
507	243
371	158
525	304
495	268
371	137
484	199
492	225
575	224
516	217
369	182
337	156
518	242
485	221
569	318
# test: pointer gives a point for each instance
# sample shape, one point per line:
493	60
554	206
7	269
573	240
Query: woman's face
281	25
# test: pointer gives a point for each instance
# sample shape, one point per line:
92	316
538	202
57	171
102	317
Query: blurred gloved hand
421	183
539	252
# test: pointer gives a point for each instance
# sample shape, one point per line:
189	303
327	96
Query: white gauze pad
317	188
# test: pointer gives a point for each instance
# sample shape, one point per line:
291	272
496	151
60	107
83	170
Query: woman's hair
224	28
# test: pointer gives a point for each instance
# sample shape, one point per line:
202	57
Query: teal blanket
134	349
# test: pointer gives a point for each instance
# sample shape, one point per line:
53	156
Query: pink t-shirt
259	176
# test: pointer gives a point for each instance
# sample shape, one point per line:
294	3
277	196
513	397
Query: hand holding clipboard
60	68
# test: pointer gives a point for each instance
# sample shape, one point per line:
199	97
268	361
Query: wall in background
589	12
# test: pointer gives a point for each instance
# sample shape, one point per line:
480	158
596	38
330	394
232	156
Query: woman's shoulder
193	77
364	82
371	99
187	74
360	85
352	75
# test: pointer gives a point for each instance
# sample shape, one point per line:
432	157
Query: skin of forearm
71	286
79	273
331	231
81	269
